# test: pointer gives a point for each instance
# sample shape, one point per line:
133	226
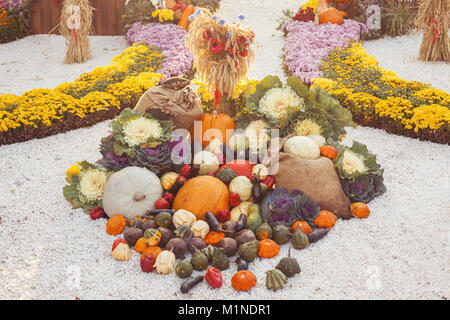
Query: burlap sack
317	178
182	105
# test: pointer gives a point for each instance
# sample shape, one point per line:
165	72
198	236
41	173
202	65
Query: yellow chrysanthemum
73	171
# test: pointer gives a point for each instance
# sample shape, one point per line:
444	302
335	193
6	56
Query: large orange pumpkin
202	194
241	167
211	122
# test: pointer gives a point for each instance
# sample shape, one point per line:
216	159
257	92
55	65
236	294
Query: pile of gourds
211	213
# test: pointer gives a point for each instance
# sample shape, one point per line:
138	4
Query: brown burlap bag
317	178
181	104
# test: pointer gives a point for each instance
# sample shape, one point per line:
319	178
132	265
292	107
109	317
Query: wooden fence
107	16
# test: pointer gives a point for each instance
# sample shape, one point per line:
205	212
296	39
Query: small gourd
275	279
303	225
208	162
152	252
289	265
325	219
240	209
178	247
264	231
184	269
132	235
122	252
299	240
230	246
183	231
165	262
360	210
242	186
209	252
182	216
260	171
329	151
152	237
226	175
200	229
254	219
220	260
140	245
137	222
281	234
194	242
116	224
163	219
168	180
213	237
268	248
199	261
249	250
243	280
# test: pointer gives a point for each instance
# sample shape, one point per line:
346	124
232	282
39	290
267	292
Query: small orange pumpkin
116	224
329	151
302	225
140	245
268	248
325	219
214	126
213	237
359	209
152	252
243	280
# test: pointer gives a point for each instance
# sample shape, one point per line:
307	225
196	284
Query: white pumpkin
321	142
200	229
242	186
122	252
241	208
164	262
208	162
182	216
131	192
302	147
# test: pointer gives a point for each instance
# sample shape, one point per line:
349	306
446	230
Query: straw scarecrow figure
222	54
434	17
75	26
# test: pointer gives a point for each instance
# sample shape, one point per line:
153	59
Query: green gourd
226	175
184	269
299	240
199	261
152	237
209	252
183	231
275	279
253	218
220	260
281	234
288	265
163	219
264	231
249	250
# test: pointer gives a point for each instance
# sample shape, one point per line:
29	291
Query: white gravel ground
49	251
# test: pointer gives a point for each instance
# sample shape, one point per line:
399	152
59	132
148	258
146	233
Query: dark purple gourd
189	284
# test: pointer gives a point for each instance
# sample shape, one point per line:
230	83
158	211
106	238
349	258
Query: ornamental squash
243	280
359	209
116	224
325	219
131	192
268	248
241	167
202	194
214	126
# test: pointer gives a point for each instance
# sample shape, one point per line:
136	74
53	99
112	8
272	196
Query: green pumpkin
137	222
249	250
183	231
226	175
253	218
184	269
281	234
163	219
152	237
299	240
209	252
288	265
199	260
220	260
275	280
264	231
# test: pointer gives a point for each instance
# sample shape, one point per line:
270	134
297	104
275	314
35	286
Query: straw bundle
222	52
76	39
433	17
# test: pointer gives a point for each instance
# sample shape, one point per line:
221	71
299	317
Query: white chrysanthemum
277	102
351	162
141	130
307	127
92	184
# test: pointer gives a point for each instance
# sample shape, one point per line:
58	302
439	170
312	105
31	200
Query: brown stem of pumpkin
139	197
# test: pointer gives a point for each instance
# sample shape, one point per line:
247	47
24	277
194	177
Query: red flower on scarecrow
215	46
243	53
207	35
241	39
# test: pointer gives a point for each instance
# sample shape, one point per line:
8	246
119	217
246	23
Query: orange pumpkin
243	280
202	194
359	209
268	248
140	245
325	219
302	225
329	151
184	18
214	126
213	238
152	252
116	224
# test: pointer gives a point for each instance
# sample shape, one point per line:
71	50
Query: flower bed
170	38
380	99
95	96
15	19
308	44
